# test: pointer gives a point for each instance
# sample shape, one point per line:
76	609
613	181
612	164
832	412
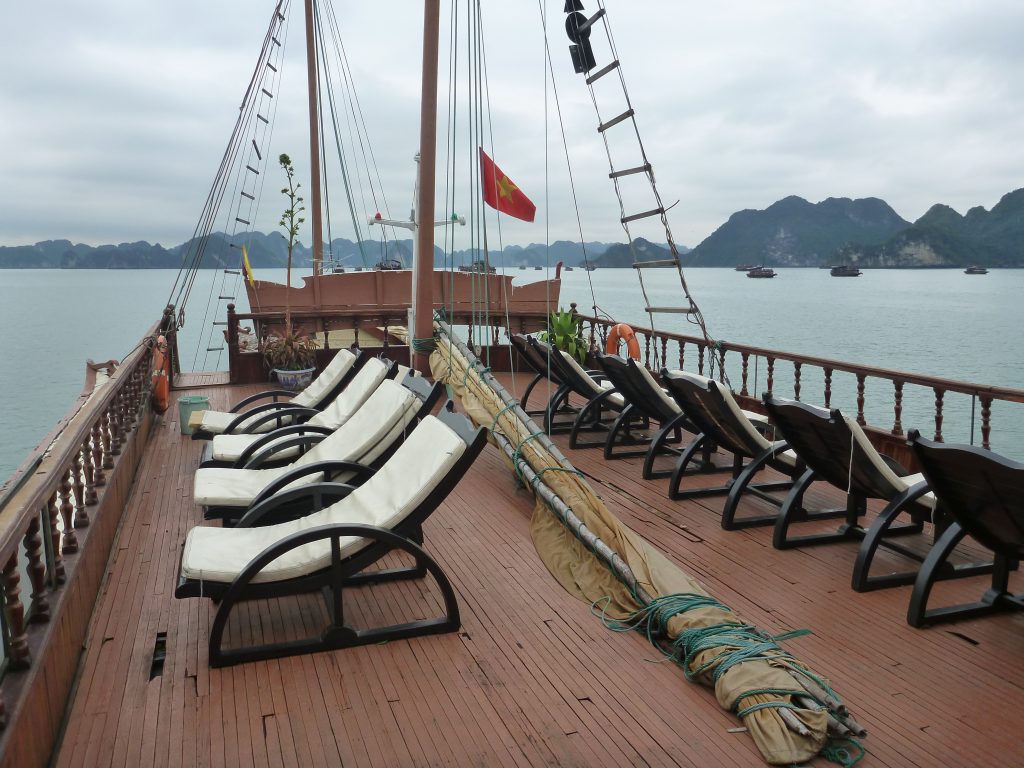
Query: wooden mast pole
314	145
423	302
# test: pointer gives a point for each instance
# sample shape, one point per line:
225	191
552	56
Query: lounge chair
602	399
835	449
234	450
982	495
646	400
714	411
278	413
542	369
332	548
366	438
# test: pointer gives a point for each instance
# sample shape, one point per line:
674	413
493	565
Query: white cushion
216	422
363	438
666	399
595	388
394	492
328	379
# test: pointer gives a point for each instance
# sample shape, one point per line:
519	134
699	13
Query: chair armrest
320	495
272	393
264	457
273	437
265	413
360	473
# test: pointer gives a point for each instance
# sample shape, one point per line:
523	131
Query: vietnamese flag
501	194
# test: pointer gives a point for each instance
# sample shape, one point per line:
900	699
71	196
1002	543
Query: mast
314	144
423	268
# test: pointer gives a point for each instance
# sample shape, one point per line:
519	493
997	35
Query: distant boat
761	272
538	268
479	267
745	267
845	270
975	270
389	264
522	266
568	269
590	269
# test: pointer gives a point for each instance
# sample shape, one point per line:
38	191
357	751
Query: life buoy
161	376
622	333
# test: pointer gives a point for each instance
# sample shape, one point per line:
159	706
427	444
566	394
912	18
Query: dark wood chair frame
279	410
642	402
824	442
429	395
594	416
982	494
350	571
711	415
301	428
543	372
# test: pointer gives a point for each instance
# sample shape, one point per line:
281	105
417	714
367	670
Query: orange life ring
161	376
622	332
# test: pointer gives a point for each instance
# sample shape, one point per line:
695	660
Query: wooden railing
868	392
58	516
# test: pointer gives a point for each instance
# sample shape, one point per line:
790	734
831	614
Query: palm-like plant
565	331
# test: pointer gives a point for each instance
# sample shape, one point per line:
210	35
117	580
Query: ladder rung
590	22
241	221
655	263
256	149
269	94
603	71
232	272
229	298
261	117
280	15
253	170
215	349
220	322
615	121
271	67
645	168
276	41
246	194
644	215
671	310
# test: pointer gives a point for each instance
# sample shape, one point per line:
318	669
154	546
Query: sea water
937	322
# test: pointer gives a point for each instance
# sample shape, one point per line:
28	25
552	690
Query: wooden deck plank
532	678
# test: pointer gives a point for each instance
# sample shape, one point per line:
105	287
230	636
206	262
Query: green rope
502	412
835	752
429	344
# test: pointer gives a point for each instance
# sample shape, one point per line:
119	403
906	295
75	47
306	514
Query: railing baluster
67	516
721	365
39	608
939	395
53	510
107	433
897	426
746	361
828	387
664	351
99	479
771	374
90	476
19	653
700	359
81	516
860	399
796	380
681	355
647	350
986	421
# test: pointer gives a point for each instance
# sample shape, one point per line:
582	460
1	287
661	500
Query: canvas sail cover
756	687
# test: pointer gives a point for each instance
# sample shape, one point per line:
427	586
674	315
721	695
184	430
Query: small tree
291	220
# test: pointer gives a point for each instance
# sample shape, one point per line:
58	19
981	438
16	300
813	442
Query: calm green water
939	322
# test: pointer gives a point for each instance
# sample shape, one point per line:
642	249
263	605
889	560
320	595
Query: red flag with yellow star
501	194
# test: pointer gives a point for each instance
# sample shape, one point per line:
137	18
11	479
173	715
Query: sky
114	115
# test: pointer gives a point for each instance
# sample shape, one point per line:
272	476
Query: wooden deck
532	678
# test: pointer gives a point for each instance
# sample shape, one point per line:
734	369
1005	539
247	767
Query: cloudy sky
114	114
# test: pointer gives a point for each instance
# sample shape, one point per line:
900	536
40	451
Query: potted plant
566	333
292	356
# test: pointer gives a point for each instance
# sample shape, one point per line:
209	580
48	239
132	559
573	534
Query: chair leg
591	418
555	404
658	447
698	444
743	483
917	613
528	391
626	421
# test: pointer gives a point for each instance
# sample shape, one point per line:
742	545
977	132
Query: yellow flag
246	265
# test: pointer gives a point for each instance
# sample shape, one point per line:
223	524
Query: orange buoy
161	376
622	333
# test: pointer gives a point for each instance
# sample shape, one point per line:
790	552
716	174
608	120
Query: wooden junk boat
103	666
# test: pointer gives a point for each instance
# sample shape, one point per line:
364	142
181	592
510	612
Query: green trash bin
187	405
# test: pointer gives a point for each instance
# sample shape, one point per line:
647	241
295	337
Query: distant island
789	233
